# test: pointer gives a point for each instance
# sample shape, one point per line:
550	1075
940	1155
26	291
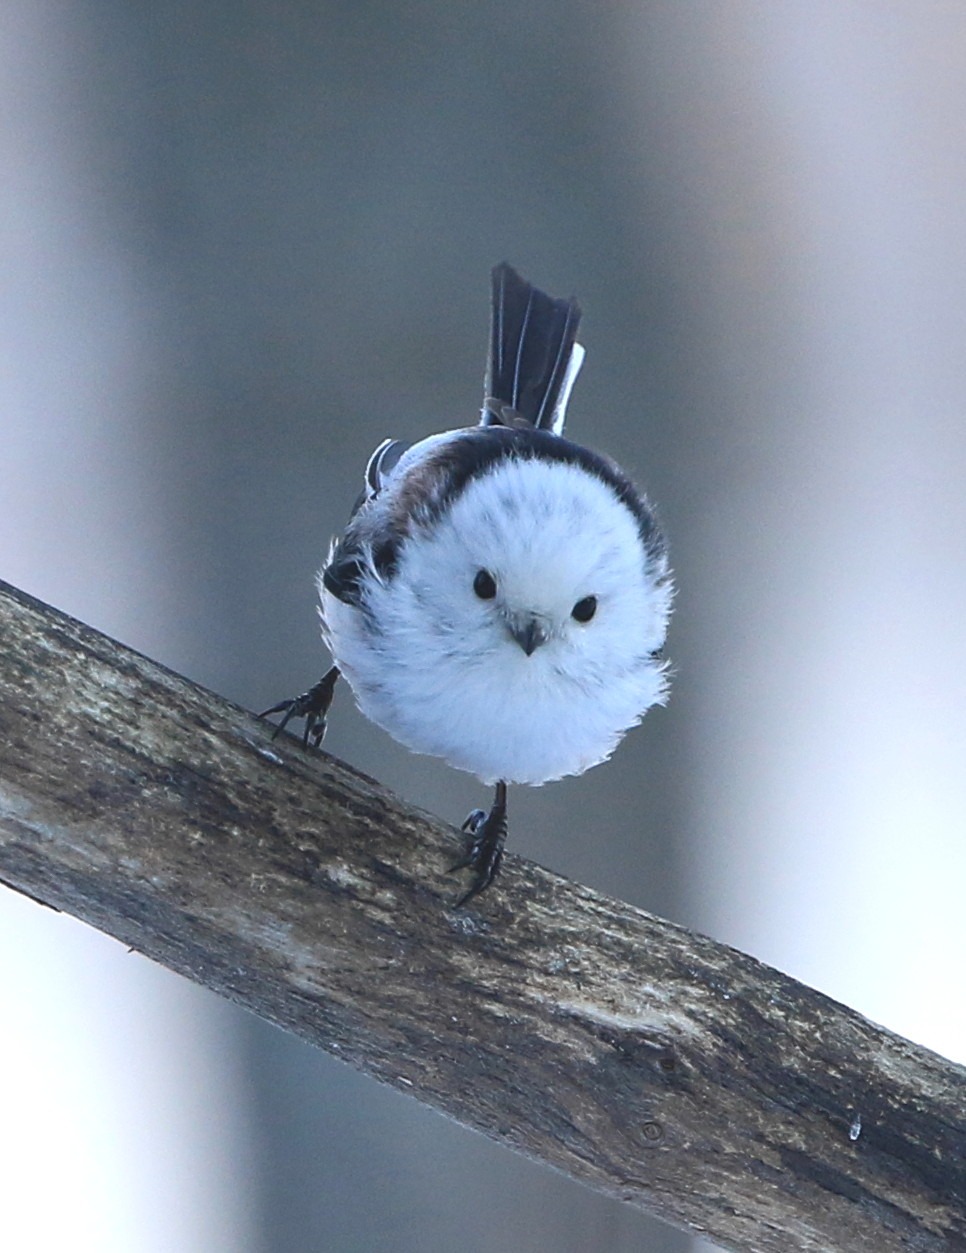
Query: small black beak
529	635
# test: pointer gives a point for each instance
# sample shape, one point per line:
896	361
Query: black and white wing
381	464
534	355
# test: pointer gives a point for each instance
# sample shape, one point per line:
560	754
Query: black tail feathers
534	356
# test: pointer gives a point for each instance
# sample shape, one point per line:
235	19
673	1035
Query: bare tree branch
651	1063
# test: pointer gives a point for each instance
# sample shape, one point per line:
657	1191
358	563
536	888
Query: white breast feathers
435	654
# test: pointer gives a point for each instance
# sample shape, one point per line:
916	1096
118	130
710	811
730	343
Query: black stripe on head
433	484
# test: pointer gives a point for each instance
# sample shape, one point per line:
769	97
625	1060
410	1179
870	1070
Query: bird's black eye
484	585
584	609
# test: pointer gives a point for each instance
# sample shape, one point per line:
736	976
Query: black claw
474	821
486	849
312	705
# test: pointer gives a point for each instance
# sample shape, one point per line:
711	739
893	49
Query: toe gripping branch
487	830
312	705
486	848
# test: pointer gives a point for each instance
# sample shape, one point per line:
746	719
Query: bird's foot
312	705
486	848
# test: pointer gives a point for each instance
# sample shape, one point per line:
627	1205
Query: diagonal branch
651	1063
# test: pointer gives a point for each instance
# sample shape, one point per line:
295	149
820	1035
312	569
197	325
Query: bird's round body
500	595
524	532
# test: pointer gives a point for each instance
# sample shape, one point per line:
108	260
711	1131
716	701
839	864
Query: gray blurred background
240	244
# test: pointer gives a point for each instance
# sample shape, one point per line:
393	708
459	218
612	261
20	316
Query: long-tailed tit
500	595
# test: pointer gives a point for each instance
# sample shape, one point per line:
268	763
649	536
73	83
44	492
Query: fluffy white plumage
439	668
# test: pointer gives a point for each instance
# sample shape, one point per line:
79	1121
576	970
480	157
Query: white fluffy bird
500	595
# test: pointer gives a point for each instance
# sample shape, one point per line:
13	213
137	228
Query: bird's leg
312	705
486	849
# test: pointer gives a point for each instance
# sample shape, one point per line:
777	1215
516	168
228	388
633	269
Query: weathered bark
649	1062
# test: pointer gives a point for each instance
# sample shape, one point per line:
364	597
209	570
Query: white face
521	624
552	539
